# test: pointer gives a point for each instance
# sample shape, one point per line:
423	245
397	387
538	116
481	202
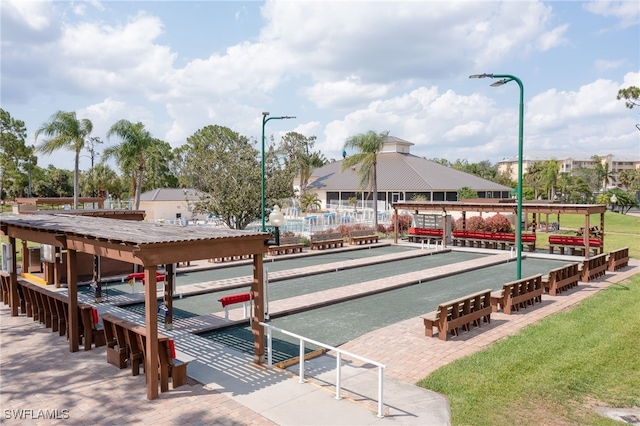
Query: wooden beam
13	284
72	288
257	290
151	323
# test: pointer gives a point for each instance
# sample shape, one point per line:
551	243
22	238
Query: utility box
35	264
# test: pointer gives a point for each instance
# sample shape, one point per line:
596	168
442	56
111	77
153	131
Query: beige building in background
568	162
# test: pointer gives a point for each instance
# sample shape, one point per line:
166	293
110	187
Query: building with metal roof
170	204
402	176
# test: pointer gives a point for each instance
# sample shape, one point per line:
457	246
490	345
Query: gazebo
141	243
509	207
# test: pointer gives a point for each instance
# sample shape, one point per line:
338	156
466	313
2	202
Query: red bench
420	234
492	239
232	299
575	245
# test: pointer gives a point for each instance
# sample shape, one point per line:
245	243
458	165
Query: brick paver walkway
410	356
38	373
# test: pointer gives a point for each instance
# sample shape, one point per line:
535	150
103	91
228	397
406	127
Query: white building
170	204
400	177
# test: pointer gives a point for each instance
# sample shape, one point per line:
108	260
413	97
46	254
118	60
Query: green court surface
341	322
273	264
207	303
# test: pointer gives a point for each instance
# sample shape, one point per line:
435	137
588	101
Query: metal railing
339	353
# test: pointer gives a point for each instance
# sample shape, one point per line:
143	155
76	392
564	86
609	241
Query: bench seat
458	313
561	279
594	267
364	236
518	294
618	259
126	346
287	245
326	240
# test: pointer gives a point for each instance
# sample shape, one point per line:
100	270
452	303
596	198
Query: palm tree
130	154
308	162
66	131
550	171
368	145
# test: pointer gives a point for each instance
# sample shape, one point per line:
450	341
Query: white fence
339	353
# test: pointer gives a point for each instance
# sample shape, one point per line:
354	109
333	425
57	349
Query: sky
340	67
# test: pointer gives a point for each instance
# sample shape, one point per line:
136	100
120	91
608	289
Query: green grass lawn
620	231
552	373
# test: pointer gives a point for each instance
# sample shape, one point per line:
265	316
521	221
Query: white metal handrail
339	353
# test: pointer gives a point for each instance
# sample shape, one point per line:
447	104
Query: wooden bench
230	258
575	245
618	259
327	240
364	236
287	245
5	287
518	294
52	309
417	235
562	278
461	312
126	344
594	267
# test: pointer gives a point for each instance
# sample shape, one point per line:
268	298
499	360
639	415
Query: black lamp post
276	219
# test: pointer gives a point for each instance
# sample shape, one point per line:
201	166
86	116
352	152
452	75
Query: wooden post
14	300
57	264
585	236
26	260
72	289
151	315
168	295
257	286
395	227
602	231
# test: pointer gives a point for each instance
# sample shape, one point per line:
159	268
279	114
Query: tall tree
158	174
603	172
533	178
66	131
13	150
631	95
549	178
130	153
223	164
368	146
296	150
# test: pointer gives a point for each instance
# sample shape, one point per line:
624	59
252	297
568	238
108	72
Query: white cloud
602	65
627	12
36	15
554	38
345	93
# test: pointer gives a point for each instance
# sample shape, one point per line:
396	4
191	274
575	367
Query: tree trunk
76	180
375	197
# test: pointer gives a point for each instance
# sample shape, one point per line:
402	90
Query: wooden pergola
141	243
508	207
59	201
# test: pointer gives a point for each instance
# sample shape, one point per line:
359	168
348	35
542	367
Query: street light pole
262	192
505	79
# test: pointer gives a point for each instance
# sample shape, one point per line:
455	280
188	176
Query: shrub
404	223
497	223
475	224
